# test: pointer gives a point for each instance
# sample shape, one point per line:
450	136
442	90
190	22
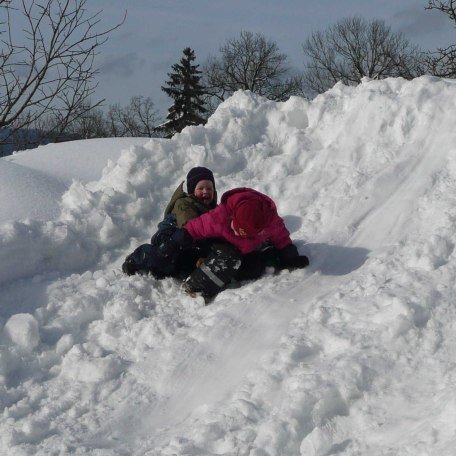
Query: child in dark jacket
248	221
200	198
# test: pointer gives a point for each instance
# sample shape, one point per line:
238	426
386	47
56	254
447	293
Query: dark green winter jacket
186	207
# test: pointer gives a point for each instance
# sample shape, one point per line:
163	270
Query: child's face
204	191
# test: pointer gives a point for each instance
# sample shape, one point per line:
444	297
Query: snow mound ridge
354	355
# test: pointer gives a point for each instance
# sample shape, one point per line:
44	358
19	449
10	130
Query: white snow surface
355	355
33	181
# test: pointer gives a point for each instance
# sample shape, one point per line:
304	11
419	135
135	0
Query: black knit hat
197	174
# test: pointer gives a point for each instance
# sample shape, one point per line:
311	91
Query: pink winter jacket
217	223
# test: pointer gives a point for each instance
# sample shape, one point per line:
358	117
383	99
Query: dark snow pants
150	259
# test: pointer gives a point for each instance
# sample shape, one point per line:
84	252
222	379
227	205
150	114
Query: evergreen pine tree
185	88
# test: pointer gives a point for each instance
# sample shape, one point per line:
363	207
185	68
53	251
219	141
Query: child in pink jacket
252	233
245	218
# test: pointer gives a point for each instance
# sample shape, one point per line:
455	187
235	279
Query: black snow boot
217	270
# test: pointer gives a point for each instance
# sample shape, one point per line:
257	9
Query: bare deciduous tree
443	61
47	57
92	124
354	48
139	118
448	7
250	62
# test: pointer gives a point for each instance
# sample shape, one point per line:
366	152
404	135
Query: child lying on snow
254	234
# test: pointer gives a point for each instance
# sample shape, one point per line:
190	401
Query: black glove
289	258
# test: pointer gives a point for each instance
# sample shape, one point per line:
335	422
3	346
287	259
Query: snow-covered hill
354	355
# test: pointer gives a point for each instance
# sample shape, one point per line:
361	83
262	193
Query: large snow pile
354	355
33	181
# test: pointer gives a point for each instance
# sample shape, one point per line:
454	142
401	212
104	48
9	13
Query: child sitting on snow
200	198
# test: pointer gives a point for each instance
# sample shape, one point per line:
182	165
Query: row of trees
47	75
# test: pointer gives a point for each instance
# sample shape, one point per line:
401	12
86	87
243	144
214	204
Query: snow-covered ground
355	355
33	181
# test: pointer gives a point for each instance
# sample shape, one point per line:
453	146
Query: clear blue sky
138	56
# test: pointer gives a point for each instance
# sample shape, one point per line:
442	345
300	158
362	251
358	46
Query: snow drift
354	355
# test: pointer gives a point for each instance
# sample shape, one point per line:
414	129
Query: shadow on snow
335	260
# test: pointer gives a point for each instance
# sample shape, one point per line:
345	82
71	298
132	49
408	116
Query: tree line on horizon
47	81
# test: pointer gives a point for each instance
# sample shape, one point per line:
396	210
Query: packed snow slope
355	355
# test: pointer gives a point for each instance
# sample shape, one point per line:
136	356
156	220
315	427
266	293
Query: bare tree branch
352	49
47	64
250	62
442	62
448	7
139	118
